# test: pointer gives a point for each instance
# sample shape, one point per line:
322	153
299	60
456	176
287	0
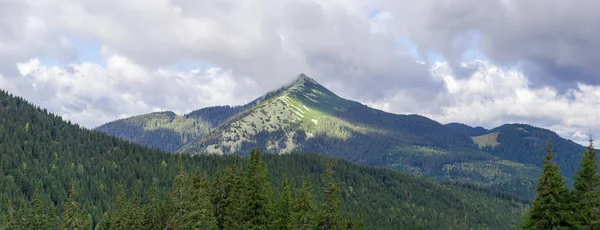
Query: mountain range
304	116
42	156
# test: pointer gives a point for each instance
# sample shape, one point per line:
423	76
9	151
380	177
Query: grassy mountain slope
168	131
305	110
39	150
307	117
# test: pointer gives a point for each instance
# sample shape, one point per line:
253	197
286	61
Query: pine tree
54	220
153	211
259	194
331	216
221	189
235	202
358	223
119	219
225	197
72	218
89	222
180	200
11	220
37	216
305	208
104	223
285	207
550	208
586	190
135	212
201	215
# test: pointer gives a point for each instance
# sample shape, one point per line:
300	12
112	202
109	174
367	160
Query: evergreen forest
54	174
557	206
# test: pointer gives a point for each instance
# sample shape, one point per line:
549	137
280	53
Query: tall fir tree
259	194
587	195
37	215
119	219
304	216
221	189
135	212
89	222
11	220
331	216
104	223
226	196
180	200
153	217
285	207
551	208
235	202
201	213
54	220
72	217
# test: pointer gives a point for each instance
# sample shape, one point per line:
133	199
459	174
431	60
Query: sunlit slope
307	117
166	130
40	152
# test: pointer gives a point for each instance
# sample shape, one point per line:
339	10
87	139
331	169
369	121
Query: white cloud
90	94
492	96
255	46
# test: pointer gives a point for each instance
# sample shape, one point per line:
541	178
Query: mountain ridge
46	155
304	116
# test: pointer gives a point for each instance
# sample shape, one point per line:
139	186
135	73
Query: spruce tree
201	215
586	190
358	223
180	200
11	220
331	216
54	220
152	210
104	223
135	212
259	194
72	218
550	208
285	207
226	196
37	216
119	219
89	222
305	209
235	202
219	193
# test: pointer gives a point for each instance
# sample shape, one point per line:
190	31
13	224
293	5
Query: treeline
238	198
525	144
41	152
558	207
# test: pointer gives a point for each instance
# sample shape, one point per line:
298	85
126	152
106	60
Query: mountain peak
302	79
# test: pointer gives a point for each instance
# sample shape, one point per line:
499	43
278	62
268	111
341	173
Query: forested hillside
168	131
466	130
307	117
526	144
238	198
44	155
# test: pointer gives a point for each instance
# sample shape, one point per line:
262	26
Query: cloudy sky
483	63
